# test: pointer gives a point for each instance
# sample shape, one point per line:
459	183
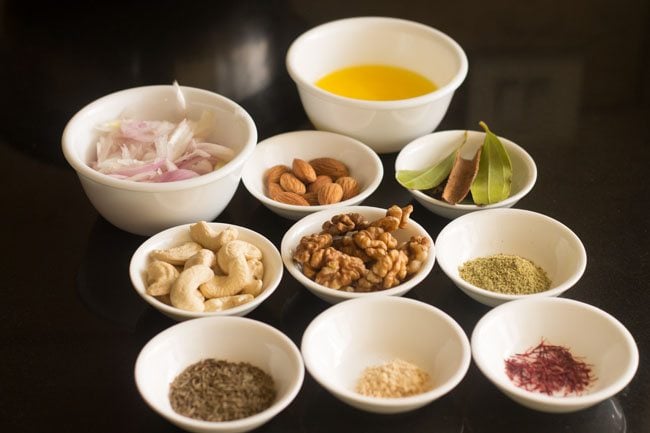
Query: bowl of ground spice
499	255
219	374
554	354
386	354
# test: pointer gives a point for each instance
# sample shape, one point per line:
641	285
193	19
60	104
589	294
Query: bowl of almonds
358	251
301	172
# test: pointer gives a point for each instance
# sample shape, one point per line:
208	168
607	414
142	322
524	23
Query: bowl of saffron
553	354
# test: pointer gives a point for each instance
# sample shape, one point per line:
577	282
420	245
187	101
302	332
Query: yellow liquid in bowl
376	83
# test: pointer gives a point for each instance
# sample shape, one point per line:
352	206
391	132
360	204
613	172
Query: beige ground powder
397	378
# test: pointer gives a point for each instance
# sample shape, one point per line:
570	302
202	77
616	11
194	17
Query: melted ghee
376	83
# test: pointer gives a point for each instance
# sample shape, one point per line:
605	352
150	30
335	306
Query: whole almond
273	174
274	189
329	167
288	197
350	186
303	170
318	183
291	183
311	197
330	193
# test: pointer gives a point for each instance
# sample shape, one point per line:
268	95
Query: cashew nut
203	257
238	276
184	293
234	249
257	271
202	233
160	277
177	255
223	303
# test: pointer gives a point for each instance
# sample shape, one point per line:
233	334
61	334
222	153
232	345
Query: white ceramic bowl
536	237
171	237
585	330
349	337
363	163
424	152
236	339
145	208
313	223
385	126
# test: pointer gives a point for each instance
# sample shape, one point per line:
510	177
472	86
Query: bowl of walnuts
358	251
301	172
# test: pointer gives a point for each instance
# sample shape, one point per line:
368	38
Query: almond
318	183
288	197
329	167
273	174
330	193
291	183
312	198
303	170
349	185
274	189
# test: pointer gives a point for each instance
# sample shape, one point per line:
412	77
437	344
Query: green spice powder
505	273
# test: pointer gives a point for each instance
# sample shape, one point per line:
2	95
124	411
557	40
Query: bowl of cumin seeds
219	374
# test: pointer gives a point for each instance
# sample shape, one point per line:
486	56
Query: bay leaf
429	177
493	181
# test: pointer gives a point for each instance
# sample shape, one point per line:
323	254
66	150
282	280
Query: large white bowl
145	208
587	331
536	237
313	224
174	236
424	152
363	163
353	335
236	339
385	126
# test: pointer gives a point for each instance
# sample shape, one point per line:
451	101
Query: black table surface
567	80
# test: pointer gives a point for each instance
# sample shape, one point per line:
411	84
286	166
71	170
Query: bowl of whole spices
554	354
219	374
499	255
386	354
358	251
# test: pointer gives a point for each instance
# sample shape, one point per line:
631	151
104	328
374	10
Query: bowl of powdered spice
386	354
499	255
219	374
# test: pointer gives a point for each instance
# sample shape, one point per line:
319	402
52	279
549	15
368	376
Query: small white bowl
430	149
536	237
363	163
174	236
585	330
349	337
235	339
145	208
385	126
313	224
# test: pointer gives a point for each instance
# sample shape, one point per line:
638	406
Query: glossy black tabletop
567	80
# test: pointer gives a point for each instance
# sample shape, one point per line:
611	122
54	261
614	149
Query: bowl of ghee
384	81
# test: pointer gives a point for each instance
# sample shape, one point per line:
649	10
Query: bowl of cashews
206	269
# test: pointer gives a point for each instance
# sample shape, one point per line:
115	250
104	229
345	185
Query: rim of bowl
440	92
584	399
82	168
324	215
510	145
255	419
577	274
432	394
145	248
363	194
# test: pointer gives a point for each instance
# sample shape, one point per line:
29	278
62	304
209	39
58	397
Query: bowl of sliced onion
154	157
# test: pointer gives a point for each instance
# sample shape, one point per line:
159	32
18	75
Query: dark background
567	80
